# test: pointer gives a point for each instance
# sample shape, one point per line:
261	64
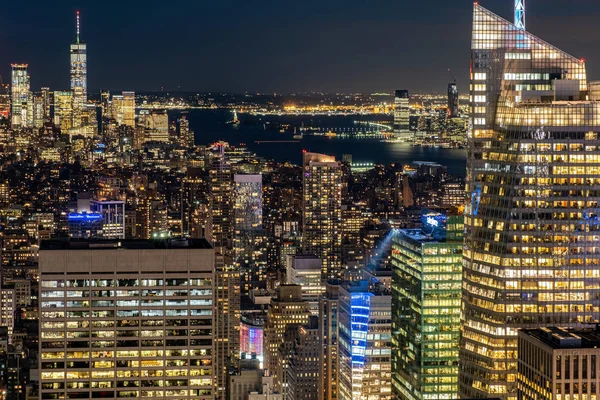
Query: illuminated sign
84	217
432	221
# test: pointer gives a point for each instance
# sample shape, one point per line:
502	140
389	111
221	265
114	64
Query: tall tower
520	14
530	255
21	96
402	116
78	77
322	212
453	101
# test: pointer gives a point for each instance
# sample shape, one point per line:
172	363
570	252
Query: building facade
426	293
78	53
365	342
533	179
126	319
322	212
402	116
21	107
557	363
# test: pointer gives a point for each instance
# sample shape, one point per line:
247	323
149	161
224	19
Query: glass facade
364	343
426	298
531	255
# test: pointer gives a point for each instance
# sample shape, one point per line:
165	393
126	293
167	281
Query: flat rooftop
562	338
127	244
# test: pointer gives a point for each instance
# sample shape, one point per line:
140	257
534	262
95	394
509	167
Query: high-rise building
249	237
305	270
533	177
63	110
557	363
20	96
78	77
220	187
128	108
4	100
426	298
322	212
303	369
365	341
328	325
453	101
402	116
126	319
286	310
38	110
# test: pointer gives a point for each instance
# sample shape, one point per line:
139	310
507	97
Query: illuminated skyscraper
365	340
78	78
426	298
533	181
322	212
63	110
128	110
127	318
453	101
21	97
4	100
249	237
402	116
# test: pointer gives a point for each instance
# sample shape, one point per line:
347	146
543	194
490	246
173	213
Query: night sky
264	45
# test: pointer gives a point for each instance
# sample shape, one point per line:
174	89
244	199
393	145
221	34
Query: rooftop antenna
520	14
77	26
452	75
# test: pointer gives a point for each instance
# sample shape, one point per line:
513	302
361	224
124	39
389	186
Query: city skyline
246	47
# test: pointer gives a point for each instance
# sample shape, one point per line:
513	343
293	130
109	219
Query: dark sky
265	45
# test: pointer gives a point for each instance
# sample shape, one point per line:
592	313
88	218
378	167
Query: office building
21	97
305	270
453	101
328	358
303	369
91	218
63	110
426	299
286	310
128	108
126	319
558	363
322	212
4	100
157	126
402	130
78	77
533	176
8	308
365	341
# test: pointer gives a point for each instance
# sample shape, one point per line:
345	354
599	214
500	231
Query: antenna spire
77	26
520	14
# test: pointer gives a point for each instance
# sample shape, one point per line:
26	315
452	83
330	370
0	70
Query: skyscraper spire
520	14
77	26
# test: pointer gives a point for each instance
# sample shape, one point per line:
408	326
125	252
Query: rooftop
111	244
562	338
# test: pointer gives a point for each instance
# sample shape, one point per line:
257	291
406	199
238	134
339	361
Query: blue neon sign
84	217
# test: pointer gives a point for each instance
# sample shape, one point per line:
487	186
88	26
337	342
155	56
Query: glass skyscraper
531	255
426	298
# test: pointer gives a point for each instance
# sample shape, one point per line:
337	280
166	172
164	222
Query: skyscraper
365	333
322	212
402	116
453	101
78	77
128	110
4	100
21	96
63	110
249	237
426	298
533	177
126	319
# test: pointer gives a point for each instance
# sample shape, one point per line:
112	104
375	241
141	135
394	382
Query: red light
304	151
